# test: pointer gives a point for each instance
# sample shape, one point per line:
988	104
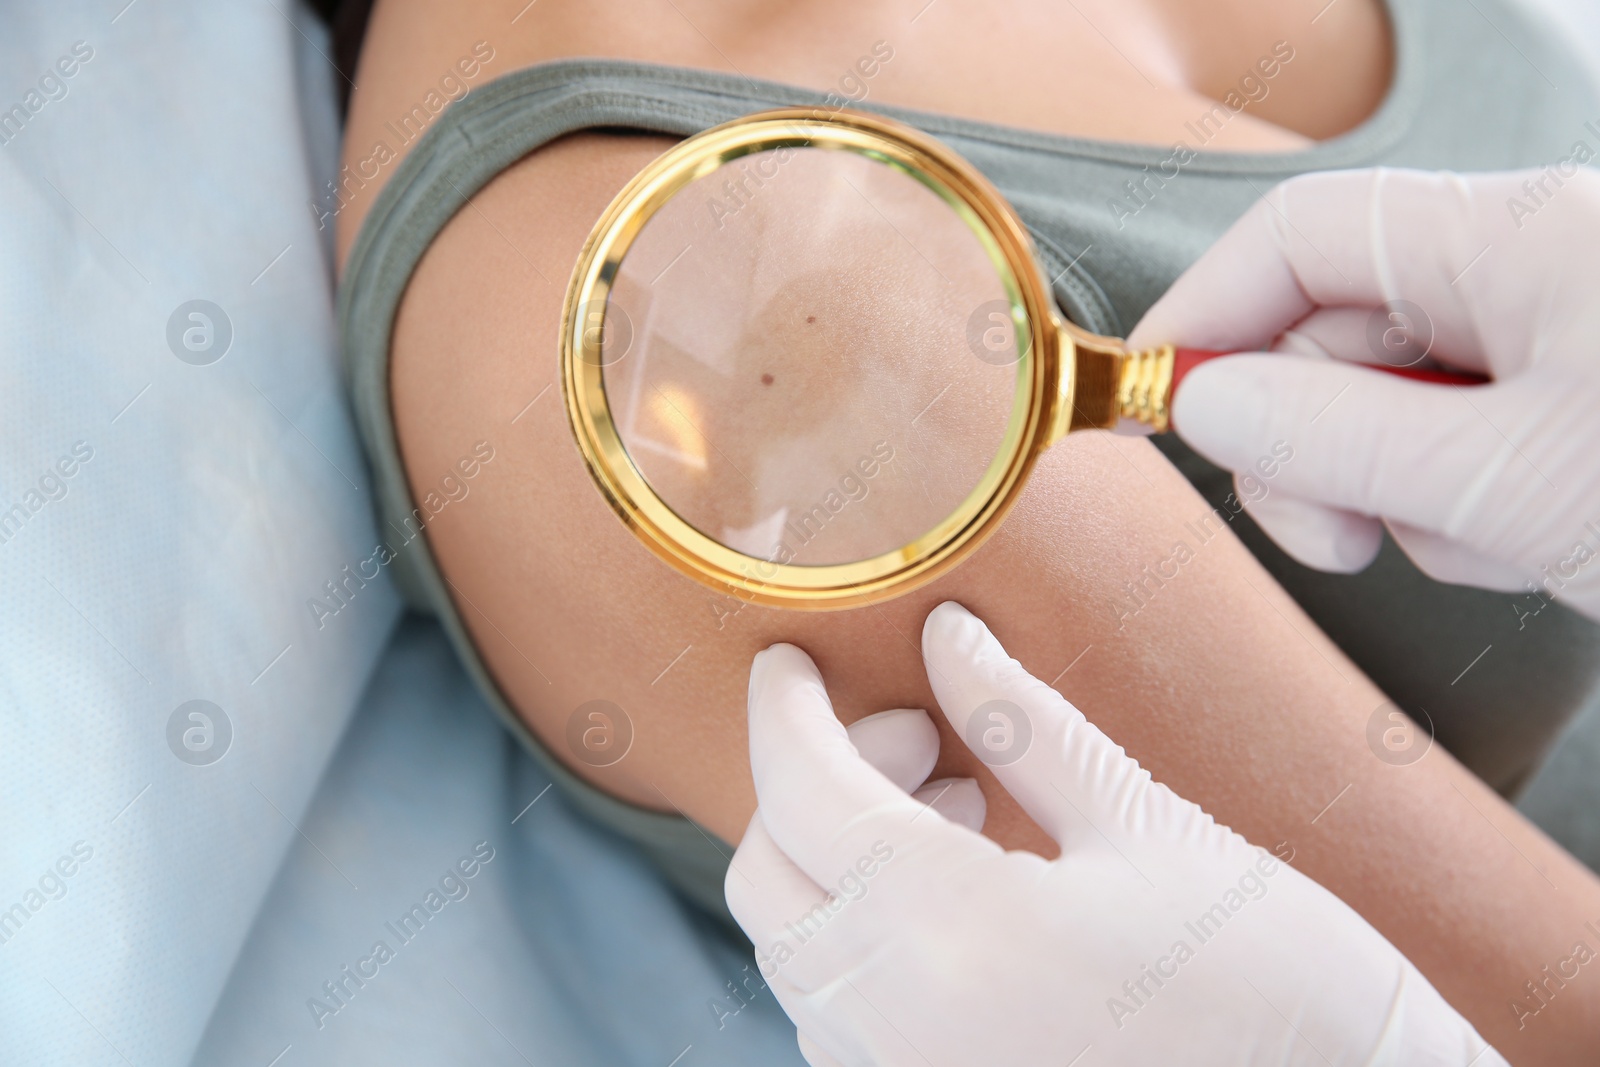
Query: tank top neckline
1379	130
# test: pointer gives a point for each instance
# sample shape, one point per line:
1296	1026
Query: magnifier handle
1186	359
1112	382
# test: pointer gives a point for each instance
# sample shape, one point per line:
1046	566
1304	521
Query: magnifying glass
810	358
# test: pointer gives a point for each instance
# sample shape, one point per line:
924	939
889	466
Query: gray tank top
1478	86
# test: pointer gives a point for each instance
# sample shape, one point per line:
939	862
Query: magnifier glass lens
810	356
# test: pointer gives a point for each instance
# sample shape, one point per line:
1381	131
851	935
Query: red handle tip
1187	359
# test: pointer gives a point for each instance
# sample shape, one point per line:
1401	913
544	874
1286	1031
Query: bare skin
1220	686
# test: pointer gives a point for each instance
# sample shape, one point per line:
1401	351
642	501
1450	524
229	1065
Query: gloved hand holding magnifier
810	358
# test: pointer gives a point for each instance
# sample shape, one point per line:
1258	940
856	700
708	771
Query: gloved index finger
1073	780
826	807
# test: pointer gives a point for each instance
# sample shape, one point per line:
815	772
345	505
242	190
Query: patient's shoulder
488	292
534	558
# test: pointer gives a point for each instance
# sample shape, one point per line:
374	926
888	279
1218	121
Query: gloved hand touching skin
893	935
1495	485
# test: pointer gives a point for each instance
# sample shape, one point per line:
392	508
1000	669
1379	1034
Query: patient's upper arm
1111	579
567	606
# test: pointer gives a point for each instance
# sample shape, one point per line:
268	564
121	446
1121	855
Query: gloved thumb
1356	440
903	745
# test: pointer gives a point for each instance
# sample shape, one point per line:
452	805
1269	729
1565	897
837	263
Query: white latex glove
892	935
1494	485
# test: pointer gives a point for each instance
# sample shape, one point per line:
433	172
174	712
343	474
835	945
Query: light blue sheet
566	948
166	510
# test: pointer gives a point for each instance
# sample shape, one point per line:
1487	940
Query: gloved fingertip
783	659
780	650
1221	406
1356	547
960	800
903	744
1322	537
780	677
952	630
868	721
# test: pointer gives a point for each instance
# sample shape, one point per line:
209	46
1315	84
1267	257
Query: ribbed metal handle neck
1108	382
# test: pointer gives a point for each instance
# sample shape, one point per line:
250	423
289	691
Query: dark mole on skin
811	318
766	379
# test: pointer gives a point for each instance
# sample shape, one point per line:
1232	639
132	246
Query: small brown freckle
811	318
766	379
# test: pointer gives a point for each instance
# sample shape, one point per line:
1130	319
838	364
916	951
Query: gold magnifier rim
1040	368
